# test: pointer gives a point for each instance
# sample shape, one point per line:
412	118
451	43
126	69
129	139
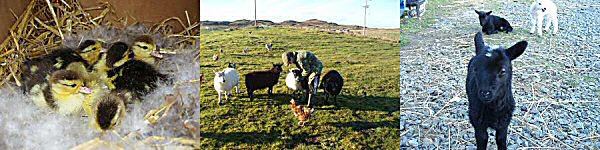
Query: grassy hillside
366	116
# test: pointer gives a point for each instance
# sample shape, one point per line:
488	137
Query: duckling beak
85	90
156	54
103	50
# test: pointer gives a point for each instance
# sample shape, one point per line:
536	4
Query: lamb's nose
486	93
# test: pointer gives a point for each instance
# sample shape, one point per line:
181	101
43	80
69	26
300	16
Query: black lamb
332	84
491	24
262	79
489	90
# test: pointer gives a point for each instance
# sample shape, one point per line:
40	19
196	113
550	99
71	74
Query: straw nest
44	25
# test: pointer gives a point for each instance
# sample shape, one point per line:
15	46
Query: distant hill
314	23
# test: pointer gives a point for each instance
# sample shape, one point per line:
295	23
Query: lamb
491	24
332	84
225	81
539	10
489	90
292	81
262	79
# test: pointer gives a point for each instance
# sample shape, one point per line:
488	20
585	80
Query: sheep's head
297	73
277	68
220	77
483	16
491	68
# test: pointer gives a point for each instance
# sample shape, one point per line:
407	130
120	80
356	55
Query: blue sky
381	13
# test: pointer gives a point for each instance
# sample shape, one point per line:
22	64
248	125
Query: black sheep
489	90
491	24
262	79
332	84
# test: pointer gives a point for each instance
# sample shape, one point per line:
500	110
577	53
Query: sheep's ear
479	44
488	13
476	11
516	50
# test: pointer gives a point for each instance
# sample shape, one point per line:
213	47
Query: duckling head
68	82
145	49
90	50
110	110
117	54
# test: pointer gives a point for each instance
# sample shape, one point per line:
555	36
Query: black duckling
136	76
110	110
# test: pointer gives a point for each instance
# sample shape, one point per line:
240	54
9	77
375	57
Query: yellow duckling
90	50
65	92
36	70
145	49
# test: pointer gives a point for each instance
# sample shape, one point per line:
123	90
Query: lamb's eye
502	72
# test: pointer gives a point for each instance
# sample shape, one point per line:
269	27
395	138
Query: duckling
64	92
116	55
136	76
145	49
90	50
110	110
35	70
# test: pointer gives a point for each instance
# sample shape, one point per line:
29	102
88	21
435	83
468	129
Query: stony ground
555	82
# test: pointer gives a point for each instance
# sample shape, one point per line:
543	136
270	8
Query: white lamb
225	81
292	80
539	10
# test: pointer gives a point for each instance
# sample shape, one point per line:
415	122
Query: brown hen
302	113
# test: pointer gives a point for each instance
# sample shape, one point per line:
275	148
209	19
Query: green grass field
365	116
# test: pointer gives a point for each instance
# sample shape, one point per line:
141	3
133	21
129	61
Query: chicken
302	113
269	46
215	57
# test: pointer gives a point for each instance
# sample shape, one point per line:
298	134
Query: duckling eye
71	85
143	47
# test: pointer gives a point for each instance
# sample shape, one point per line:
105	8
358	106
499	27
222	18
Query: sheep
262	79
491	24
332	83
292	81
489	90
225	81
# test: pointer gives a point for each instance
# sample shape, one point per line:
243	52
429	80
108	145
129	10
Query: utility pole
365	19
255	13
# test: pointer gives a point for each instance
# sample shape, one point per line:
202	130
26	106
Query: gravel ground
555	82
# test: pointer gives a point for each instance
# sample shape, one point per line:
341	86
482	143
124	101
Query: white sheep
292	80
225	81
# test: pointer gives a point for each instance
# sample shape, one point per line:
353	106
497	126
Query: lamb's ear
479	44
476	11
516	50
488	13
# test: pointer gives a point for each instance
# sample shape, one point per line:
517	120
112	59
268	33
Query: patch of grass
433	10
355	121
